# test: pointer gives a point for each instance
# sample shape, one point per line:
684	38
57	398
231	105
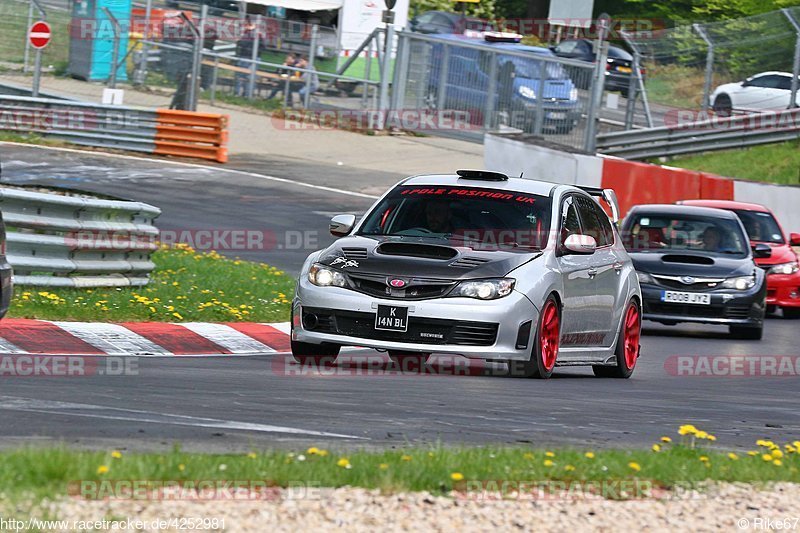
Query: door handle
618	267
592	272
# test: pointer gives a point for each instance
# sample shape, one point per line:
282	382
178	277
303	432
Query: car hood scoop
420	258
425	251
687	259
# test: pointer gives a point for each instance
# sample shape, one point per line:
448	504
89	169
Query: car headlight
573	94
485	289
526	92
785	268
323	276
741	283
644	277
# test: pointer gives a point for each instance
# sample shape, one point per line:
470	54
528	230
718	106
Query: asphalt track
237	403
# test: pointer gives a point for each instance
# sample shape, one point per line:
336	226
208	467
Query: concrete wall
635	182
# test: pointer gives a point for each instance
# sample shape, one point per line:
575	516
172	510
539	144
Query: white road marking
283	327
11	403
227	337
112	339
9	348
206	167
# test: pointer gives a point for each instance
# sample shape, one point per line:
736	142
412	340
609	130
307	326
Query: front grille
420	330
415	289
733	311
681	286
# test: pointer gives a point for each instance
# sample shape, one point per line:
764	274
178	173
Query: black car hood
675	263
419	257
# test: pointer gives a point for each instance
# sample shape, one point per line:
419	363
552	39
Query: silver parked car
479	264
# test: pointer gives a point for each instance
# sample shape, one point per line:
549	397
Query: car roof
542	188
672	209
770	73
517	47
727	204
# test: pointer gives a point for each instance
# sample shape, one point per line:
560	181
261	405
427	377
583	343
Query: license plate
391	318
626	70
557	116
685	298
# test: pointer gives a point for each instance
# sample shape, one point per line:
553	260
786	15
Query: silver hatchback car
478	264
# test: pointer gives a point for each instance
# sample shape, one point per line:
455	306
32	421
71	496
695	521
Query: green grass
262	104
28	138
774	163
186	286
48	472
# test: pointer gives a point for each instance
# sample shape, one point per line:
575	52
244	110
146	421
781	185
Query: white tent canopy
301	5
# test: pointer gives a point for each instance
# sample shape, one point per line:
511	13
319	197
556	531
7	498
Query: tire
627	351
413	361
792	313
545	344
771	309
747	333
723	106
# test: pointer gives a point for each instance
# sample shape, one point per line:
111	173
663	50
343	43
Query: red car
783	273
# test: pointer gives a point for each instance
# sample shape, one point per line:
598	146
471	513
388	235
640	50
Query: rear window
678	232
479	217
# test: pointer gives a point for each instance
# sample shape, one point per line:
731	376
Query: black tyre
791	312
545	344
747	332
723	106
627	351
315	354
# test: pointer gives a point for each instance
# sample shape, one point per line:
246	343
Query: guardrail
162	131
69	241
716	133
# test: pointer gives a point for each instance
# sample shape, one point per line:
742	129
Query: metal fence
68	241
482	87
685	63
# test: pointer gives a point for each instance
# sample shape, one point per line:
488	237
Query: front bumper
783	290
439	325
744	308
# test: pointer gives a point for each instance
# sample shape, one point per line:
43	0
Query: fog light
794	295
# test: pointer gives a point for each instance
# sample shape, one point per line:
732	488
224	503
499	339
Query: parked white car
768	91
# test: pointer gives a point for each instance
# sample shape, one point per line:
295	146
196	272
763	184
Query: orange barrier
641	183
191	134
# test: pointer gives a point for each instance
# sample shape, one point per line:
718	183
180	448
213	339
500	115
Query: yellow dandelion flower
767	457
687	429
116	454
589	455
456	476
752	453
405	457
569	468
548	463
343	462
549	454
102	469
777	454
666	439
252	455
703	458
312	451
732	456
383	466
634	466
777	462
181	467
656	448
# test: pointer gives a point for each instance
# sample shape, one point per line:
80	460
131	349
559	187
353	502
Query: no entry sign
39	34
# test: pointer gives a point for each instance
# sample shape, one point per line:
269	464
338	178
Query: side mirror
580	244
341	225
762	251
794	239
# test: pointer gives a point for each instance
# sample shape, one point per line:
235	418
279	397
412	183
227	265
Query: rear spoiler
606	194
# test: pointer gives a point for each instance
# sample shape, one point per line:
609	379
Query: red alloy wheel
549	335
632	332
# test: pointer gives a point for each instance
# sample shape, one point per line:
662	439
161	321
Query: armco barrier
162	131
635	183
69	241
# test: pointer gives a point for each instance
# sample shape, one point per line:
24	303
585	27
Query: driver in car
713	241
439	216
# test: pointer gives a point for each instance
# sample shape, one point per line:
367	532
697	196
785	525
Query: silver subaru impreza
478	264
